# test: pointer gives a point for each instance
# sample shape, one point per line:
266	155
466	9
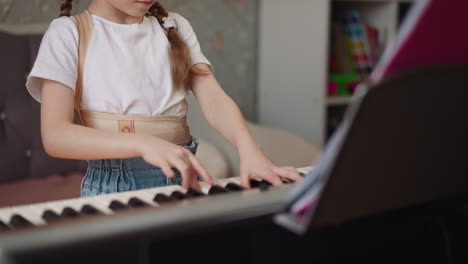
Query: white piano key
5	214
235	180
32	213
58	206
100	204
205	187
168	190
145	195
305	170
123	197
77	204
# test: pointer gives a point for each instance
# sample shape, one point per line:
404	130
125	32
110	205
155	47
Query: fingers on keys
277	176
289	173
190	168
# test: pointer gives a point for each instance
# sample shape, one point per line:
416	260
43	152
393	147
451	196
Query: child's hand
255	164
166	155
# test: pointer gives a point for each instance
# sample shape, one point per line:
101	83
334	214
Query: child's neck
109	12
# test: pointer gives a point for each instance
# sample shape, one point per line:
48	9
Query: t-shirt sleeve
57	58
188	35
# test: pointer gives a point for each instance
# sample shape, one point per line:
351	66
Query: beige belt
170	128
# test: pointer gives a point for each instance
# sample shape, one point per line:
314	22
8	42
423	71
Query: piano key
286	181
145	195
178	195
4	227
18	221
5	214
50	216
101	204
305	170
264	185
88	209
168	190
74	204
32	213
117	206
123	197
226	181
194	193
69	212
216	189
55	206
205	187
135	202
254	183
162	198
233	187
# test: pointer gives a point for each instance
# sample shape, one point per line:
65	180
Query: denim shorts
118	175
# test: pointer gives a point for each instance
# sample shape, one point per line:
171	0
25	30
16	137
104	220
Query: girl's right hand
166	155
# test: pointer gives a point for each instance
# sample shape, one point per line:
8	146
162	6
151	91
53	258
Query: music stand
402	141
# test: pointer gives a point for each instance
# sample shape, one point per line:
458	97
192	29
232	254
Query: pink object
433	33
305	208
332	88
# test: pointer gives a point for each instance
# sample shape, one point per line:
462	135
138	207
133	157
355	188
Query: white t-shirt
127	68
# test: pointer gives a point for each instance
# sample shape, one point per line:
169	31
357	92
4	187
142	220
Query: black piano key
264	185
254	183
178	195
3	227
69	212
19	221
234	187
162	198
194	193
216	189
50	216
88	209
135	202
117	205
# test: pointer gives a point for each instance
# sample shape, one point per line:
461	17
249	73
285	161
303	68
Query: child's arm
224	115
63	139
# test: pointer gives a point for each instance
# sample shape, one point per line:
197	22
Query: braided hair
179	52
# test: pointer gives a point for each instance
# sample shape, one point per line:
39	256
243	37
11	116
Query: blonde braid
179	52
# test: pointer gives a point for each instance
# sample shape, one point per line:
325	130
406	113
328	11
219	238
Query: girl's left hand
256	165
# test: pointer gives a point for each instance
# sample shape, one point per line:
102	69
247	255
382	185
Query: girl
140	63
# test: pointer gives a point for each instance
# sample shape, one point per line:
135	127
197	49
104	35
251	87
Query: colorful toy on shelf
345	83
332	88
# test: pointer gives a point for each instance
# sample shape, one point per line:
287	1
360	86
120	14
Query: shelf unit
293	61
386	16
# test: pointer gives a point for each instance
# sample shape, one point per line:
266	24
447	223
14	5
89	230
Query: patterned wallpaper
226	29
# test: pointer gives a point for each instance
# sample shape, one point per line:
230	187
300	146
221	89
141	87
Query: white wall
293	66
